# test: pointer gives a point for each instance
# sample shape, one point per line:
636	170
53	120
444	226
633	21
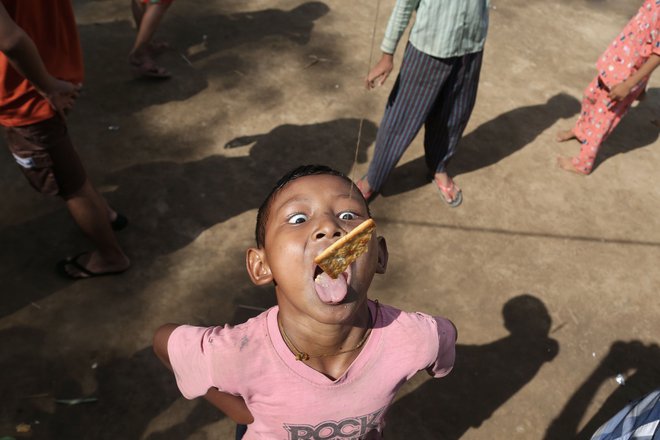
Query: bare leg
90	212
147	18
138	12
565	135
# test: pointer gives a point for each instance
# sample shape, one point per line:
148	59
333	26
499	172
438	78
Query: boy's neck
327	348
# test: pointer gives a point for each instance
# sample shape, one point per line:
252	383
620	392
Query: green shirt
443	28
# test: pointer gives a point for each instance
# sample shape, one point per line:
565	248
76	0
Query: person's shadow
128	392
484	377
489	143
234	30
171	203
640	366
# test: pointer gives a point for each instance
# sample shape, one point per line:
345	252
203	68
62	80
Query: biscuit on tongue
329	290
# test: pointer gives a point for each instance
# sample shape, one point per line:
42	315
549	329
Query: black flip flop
119	223
73	262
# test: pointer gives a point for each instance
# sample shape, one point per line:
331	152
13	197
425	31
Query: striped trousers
438	93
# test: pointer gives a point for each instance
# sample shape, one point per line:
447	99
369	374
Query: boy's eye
347	215
297	218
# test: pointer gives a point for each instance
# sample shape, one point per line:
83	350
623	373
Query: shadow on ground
640	365
486	145
484	378
125	394
171	203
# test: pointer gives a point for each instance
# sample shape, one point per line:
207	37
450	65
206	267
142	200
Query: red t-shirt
52	26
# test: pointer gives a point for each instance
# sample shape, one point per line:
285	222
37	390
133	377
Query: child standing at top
623	72
436	86
325	362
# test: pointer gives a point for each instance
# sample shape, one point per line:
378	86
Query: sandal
149	69
446	191
83	272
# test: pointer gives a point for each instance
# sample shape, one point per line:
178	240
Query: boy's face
305	217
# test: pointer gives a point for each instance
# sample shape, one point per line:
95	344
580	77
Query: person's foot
92	264
566	163
565	135
146	67
449	191
365	188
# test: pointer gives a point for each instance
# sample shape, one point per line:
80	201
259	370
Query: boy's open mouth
330	291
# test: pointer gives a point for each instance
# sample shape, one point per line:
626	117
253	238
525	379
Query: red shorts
46	156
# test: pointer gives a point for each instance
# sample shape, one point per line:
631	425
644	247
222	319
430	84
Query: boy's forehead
309	186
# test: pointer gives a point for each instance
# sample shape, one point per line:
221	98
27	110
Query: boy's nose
328	227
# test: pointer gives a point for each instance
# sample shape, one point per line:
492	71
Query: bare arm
233	406
623	89
24	57
381	71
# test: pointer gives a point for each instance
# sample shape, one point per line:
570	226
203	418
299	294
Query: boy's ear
257	267
382	255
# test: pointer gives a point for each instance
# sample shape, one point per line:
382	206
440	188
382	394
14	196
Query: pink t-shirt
290	400
633	46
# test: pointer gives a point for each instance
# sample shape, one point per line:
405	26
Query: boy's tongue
331	291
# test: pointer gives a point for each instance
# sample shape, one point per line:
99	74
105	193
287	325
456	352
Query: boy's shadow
636	129
178	201
129	392
623	357
229	31
224	34
489	143
171	203
484	377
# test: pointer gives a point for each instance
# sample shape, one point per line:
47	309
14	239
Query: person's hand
620	91
380	72
61	95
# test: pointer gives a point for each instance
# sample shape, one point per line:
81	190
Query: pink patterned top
633	46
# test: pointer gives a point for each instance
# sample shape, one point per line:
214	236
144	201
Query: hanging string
371	55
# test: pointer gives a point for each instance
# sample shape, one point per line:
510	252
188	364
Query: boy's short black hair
296	173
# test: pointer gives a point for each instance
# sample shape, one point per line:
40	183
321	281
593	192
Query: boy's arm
233	406
395	28
25	59
623	89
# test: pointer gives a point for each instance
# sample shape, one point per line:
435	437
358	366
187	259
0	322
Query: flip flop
149	69
73	262
119	223
445	194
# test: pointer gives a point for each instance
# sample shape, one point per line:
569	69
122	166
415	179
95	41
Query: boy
436	87
325	362
40	64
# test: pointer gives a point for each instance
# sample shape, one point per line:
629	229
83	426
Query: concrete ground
550	277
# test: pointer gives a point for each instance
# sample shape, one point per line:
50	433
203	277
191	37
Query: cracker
335	258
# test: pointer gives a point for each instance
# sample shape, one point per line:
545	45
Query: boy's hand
380	72
620	91
61	95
